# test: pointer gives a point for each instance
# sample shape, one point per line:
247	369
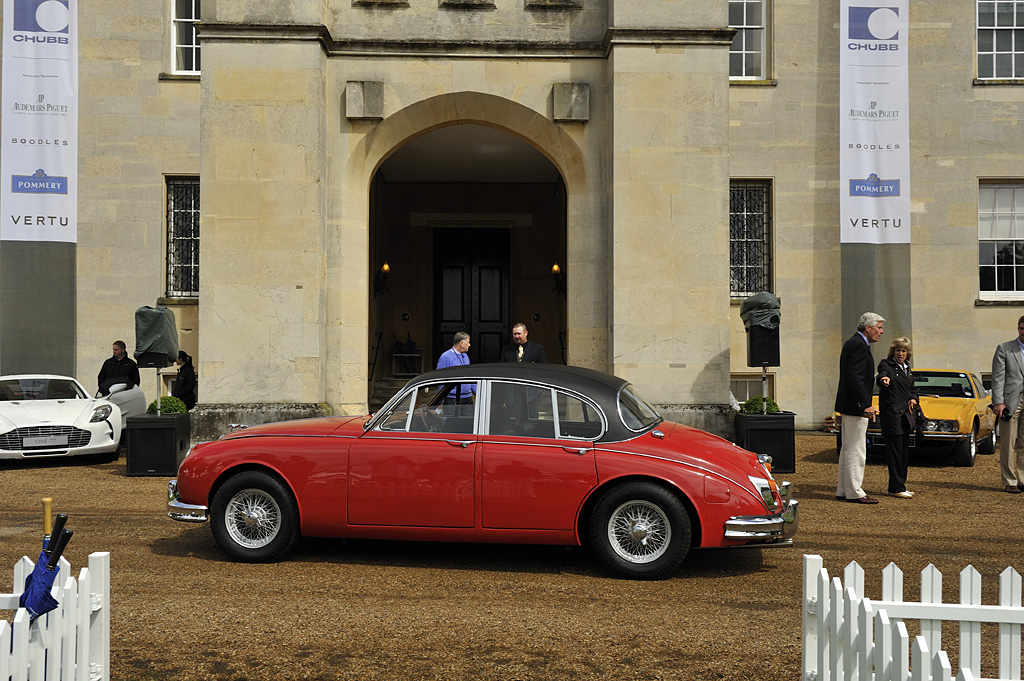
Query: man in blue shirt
458	355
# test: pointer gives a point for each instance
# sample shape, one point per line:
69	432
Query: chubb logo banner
41	16
874	131
39	121
877	27
38	183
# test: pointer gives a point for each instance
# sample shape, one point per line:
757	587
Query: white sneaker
904	495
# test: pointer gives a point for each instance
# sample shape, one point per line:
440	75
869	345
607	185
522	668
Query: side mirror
117	388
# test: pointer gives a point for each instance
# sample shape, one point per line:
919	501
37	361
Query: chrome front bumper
186	513
767	531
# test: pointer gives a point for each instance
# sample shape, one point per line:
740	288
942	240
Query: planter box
771	434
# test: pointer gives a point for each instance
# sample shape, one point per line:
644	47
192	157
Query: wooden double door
471	289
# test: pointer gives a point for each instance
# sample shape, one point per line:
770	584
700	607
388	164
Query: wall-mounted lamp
380	280
559	277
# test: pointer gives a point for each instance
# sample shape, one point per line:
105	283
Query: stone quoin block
571	101
364	99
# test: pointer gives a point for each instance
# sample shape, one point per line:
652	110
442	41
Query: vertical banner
39	149
874	127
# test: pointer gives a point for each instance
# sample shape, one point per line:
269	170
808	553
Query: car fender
711	496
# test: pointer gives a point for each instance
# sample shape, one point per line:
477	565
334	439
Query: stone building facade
474	144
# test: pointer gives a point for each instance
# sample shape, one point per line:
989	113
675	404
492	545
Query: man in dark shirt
120	366
521	350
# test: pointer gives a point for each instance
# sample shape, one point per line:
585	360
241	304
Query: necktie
520	359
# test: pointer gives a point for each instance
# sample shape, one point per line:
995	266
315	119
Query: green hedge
168	405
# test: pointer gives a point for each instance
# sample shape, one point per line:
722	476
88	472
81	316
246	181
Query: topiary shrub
168	405
755	405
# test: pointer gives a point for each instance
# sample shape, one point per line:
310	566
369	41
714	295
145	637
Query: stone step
383	390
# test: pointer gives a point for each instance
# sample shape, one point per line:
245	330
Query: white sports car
44	416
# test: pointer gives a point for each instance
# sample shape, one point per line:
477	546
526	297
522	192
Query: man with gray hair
1007	403
853	401
458	355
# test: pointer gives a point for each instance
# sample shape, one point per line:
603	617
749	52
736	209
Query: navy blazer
856	375
894	400
533	353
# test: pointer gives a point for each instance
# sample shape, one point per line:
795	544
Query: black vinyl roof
579	379
599	387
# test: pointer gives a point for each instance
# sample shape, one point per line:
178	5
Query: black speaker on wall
762	347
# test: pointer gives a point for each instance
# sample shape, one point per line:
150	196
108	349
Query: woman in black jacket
897	406
185	385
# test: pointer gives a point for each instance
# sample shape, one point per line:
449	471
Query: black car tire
965	451
640	530
254	518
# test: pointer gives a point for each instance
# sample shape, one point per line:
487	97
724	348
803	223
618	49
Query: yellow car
957	417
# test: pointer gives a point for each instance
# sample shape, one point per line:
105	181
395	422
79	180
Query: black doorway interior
471	288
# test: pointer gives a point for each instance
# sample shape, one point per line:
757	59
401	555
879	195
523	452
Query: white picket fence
848	637
71	643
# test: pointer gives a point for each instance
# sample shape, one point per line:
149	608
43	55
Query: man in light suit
1007	390
853	401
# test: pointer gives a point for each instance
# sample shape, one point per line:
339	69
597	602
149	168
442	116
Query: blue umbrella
36	598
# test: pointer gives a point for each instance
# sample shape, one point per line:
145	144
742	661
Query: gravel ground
389	610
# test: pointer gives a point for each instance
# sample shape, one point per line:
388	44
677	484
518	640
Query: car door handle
576	450
460	443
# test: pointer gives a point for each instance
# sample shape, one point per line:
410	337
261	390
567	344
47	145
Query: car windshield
636	413
943	384
39	389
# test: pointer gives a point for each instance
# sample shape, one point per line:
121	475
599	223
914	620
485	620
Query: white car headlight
100	413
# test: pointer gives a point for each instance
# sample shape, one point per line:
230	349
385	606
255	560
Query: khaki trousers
852	457
1011	447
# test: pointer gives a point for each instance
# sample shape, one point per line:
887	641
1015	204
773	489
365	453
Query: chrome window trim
392	404
554	407
618	406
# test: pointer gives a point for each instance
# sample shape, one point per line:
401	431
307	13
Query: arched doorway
470	221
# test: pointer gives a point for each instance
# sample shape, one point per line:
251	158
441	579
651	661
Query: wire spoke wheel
252	518
639	531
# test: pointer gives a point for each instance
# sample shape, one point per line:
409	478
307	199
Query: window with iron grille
182	237
747	53
1001	240
749	237
1000	39
184	43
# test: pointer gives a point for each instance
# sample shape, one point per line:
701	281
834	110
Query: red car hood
316	427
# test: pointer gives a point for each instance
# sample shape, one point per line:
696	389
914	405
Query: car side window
526	411
433	408
523	410
398	419
576	418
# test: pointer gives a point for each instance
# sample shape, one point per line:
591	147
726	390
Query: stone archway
470	220
586	323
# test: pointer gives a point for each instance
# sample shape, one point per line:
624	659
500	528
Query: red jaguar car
537	454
